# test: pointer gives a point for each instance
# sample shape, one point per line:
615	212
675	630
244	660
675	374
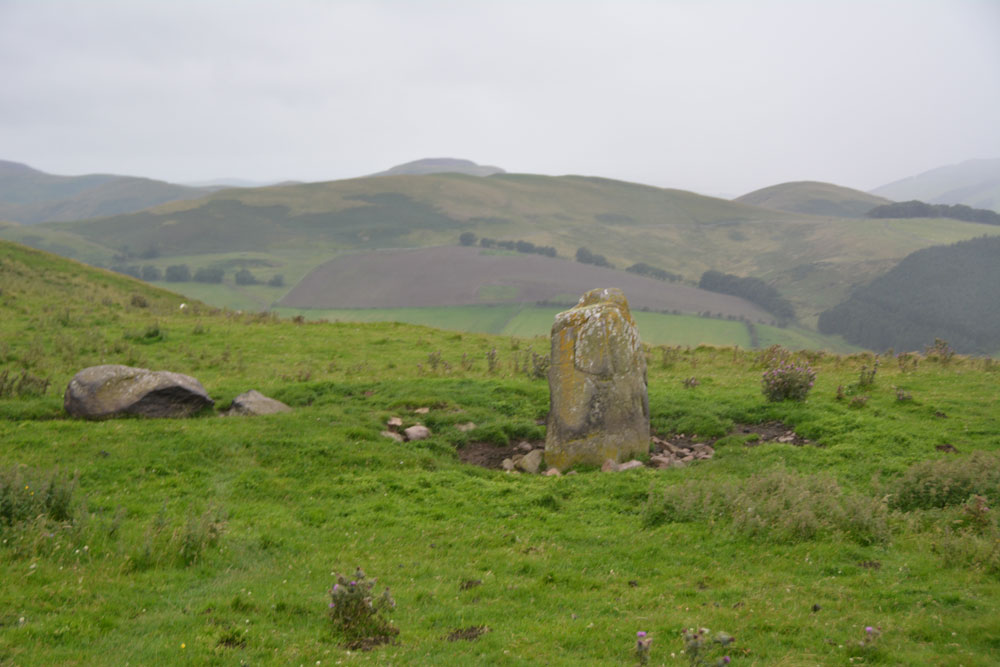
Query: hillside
949	292
975	183
814	261
814	198
30	196
851	528
441	165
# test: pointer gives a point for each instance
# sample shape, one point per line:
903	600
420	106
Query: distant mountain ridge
975	183
814	198
441	165
30	196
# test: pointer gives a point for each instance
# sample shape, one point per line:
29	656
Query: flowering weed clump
358	614
699	644
642	644
788	382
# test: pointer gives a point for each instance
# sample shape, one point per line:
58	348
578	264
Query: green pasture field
215	540
529	321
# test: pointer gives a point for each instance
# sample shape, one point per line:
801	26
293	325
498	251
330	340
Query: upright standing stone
598	403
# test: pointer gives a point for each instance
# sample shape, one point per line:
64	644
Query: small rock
394	422
524	446
702	448
571	472
465	428
630	465
253	402
688	458
417	432
609	466
661	461
531	461
786	438
552	472
508	464
422	411
392	435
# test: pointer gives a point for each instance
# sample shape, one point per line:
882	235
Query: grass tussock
777	506
947	482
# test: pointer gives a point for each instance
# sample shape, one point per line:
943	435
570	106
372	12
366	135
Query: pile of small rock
415	432
671	455
528	459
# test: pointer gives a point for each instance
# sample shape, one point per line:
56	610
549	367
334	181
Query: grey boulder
255	403
102	392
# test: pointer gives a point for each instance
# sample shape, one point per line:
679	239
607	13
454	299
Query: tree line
754	290
527	247
181	273
949	292
918	209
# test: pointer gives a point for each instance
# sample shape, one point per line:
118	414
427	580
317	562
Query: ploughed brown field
459	276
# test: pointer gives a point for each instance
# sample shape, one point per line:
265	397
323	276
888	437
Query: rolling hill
975	183
30	196
814	261
814	198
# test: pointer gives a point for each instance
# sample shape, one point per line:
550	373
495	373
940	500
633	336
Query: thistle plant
642	644
788	382
699	643
359	614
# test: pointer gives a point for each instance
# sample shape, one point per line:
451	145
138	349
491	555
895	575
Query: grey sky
712	96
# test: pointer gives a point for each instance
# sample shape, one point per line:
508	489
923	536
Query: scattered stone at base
530	462
392	435
609	466
553	472
524	446
422	411
417	432
508	465
630	465
466	427
394	422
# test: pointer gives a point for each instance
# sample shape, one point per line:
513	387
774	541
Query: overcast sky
713	96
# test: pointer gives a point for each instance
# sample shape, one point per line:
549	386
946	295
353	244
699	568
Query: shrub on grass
788	382
22	499
358	614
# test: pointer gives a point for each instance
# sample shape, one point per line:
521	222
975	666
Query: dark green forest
918	209
949	292
753	290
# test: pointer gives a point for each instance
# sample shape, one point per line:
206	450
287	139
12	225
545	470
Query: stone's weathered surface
392	435
609	465
101	392
394	423
255	403
417	432
598	403
530	462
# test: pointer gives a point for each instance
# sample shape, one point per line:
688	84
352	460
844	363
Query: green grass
569	568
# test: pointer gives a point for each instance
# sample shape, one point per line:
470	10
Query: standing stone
100	392
598	403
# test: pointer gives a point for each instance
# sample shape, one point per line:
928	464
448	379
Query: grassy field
215	541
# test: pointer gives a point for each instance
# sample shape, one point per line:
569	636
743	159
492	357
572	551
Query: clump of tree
209	275
151	274
585	256
245	277
467	239
178	273
649	271
526	247
919	209
127	269
948	292
754	290
277	280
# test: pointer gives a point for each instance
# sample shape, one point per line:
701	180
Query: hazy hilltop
814	198
975	183
31	196
441	165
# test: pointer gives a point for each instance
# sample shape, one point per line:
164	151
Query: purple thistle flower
725	660
354	583
869	629
332	605
640	634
